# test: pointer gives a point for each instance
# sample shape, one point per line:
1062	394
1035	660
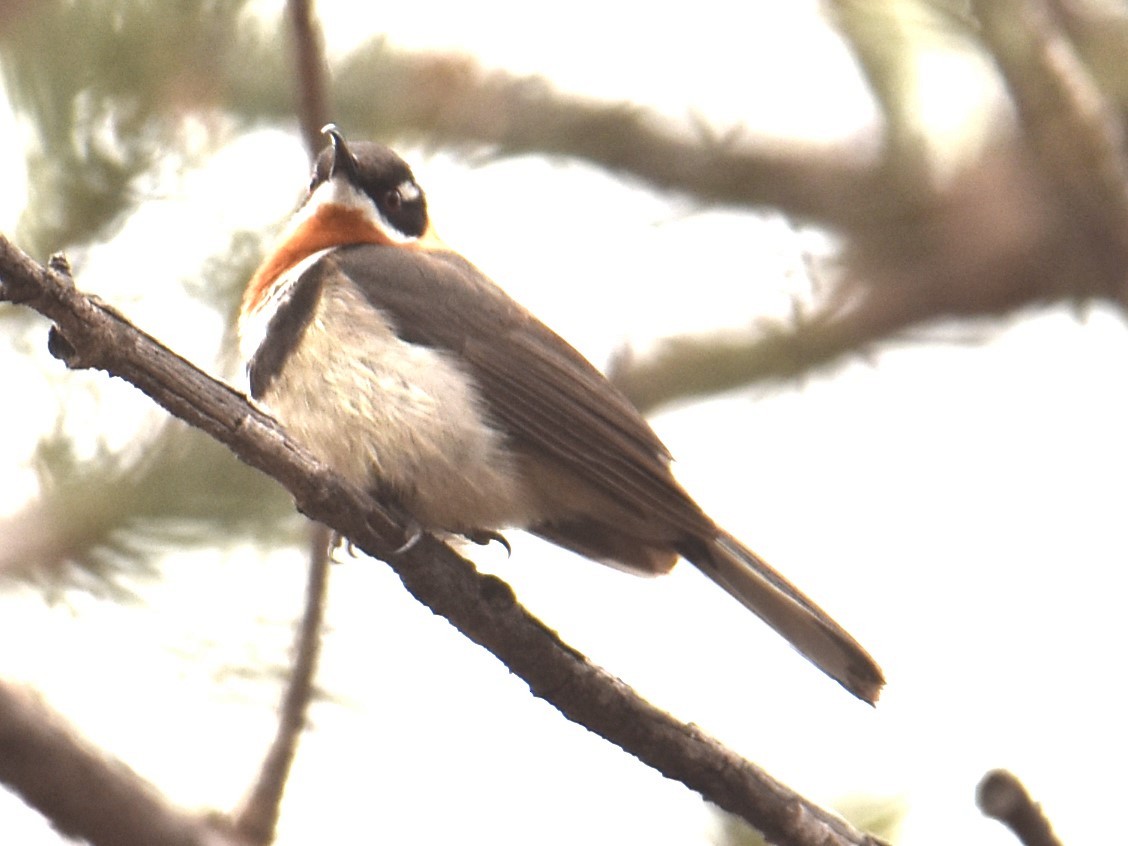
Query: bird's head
360	193
373	183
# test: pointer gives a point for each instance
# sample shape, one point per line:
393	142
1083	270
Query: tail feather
787	610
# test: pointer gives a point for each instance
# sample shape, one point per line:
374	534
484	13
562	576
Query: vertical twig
257	819
258	816
309	48
886	54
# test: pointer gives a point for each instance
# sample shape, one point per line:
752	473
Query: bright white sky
955	506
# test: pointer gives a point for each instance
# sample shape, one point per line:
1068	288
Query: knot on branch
62	349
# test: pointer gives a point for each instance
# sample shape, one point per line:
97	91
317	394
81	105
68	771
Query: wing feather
539	389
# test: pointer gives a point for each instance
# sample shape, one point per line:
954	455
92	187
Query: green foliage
105	91
100	523
102	88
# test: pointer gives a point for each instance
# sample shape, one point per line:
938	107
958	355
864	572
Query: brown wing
540	391
549	398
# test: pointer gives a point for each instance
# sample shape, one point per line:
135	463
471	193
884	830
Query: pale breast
401	418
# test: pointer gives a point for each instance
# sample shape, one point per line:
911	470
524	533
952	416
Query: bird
410	373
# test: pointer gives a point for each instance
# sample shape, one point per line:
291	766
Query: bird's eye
393	200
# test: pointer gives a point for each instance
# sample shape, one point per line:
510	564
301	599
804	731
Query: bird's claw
412	532
338	540
484	537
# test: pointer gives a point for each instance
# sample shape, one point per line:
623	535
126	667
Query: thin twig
681	368
313	100
1002	797
89	334
886	53
257	818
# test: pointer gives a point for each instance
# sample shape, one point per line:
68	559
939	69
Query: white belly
393	416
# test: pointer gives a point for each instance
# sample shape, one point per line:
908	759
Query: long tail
784	607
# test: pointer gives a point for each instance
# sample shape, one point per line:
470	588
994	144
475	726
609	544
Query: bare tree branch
1036	219
921	247
990	241
682	367
1019	225
313	101
452	100
886	54
1002	797
83	792
997	237
1078	137
257	818
90	334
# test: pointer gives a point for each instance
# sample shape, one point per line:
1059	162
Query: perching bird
403	367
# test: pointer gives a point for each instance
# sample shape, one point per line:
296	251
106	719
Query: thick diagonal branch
484	608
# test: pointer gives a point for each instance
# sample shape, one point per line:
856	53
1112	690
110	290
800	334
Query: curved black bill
342	155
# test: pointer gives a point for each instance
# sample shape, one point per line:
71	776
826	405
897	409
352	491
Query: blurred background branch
84	792
309	60
1023	218
256	819
1003	797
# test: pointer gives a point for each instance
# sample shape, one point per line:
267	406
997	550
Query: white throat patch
339	192
253	324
